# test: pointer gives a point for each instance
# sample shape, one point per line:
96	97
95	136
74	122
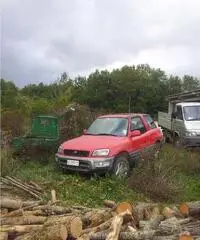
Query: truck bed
164	120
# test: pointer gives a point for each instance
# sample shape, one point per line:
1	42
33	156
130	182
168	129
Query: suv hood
92	142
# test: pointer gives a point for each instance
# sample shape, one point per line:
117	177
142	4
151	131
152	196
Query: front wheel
178	142
121	167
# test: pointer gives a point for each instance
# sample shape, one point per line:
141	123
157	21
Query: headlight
100	153
191	134
101	163
61	150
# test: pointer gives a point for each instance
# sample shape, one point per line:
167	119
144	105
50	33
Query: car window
137	124
150	121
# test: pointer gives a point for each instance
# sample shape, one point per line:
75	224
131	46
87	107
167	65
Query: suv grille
76	153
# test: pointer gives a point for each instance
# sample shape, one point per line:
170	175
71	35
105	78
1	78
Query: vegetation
131	88
166	183
135	88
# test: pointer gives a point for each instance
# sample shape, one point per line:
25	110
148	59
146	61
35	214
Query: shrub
8	163
157	182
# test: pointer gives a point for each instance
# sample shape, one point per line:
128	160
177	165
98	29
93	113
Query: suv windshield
192	113
109	126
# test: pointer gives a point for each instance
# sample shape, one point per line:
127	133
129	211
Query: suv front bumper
86	165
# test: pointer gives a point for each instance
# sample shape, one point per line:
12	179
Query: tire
178	142
121	167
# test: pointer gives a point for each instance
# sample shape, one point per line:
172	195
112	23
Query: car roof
122	115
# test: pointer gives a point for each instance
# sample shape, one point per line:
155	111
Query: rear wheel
121	167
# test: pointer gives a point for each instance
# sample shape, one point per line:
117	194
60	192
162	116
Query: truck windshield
192	113
109	126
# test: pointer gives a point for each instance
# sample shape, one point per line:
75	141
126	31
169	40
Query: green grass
75	189
78	190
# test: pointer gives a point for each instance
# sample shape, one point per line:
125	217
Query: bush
8	163
183	161
13	121
157	182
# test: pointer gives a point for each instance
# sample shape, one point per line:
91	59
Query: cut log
53	210
73	224
116	225
125	235
10	204
190	209
53	196
3	235
123	207
3	211
55	232
95	218
153	223
168	212
109	204
24	220
186	237
21	228
102	227
173	226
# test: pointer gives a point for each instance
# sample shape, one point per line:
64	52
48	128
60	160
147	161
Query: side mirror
84	131
135	133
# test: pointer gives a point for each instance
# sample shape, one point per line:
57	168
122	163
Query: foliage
8	163
13	121
173	176
132	88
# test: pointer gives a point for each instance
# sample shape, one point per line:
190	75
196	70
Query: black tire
121	166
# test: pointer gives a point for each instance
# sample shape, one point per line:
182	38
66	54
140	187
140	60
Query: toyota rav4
113	143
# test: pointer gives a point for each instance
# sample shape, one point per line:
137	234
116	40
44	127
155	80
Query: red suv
113	143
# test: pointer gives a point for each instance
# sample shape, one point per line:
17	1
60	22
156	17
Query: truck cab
182	122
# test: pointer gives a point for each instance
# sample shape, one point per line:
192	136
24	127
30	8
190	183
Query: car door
139	143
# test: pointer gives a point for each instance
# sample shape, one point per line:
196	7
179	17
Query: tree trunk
10	204
190	209
109	204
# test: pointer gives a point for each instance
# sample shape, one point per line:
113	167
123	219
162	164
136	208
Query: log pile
52	220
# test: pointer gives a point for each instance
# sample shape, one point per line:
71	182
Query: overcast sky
42	38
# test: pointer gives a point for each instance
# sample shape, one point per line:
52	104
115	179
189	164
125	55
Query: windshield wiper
107	134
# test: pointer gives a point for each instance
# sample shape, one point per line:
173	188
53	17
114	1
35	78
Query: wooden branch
21	187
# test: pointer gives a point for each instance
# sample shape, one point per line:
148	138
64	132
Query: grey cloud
41	39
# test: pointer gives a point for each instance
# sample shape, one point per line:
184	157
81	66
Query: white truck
181	125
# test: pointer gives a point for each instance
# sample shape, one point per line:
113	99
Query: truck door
178	123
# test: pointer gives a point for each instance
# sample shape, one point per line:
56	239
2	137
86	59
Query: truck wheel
121	167
177	142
